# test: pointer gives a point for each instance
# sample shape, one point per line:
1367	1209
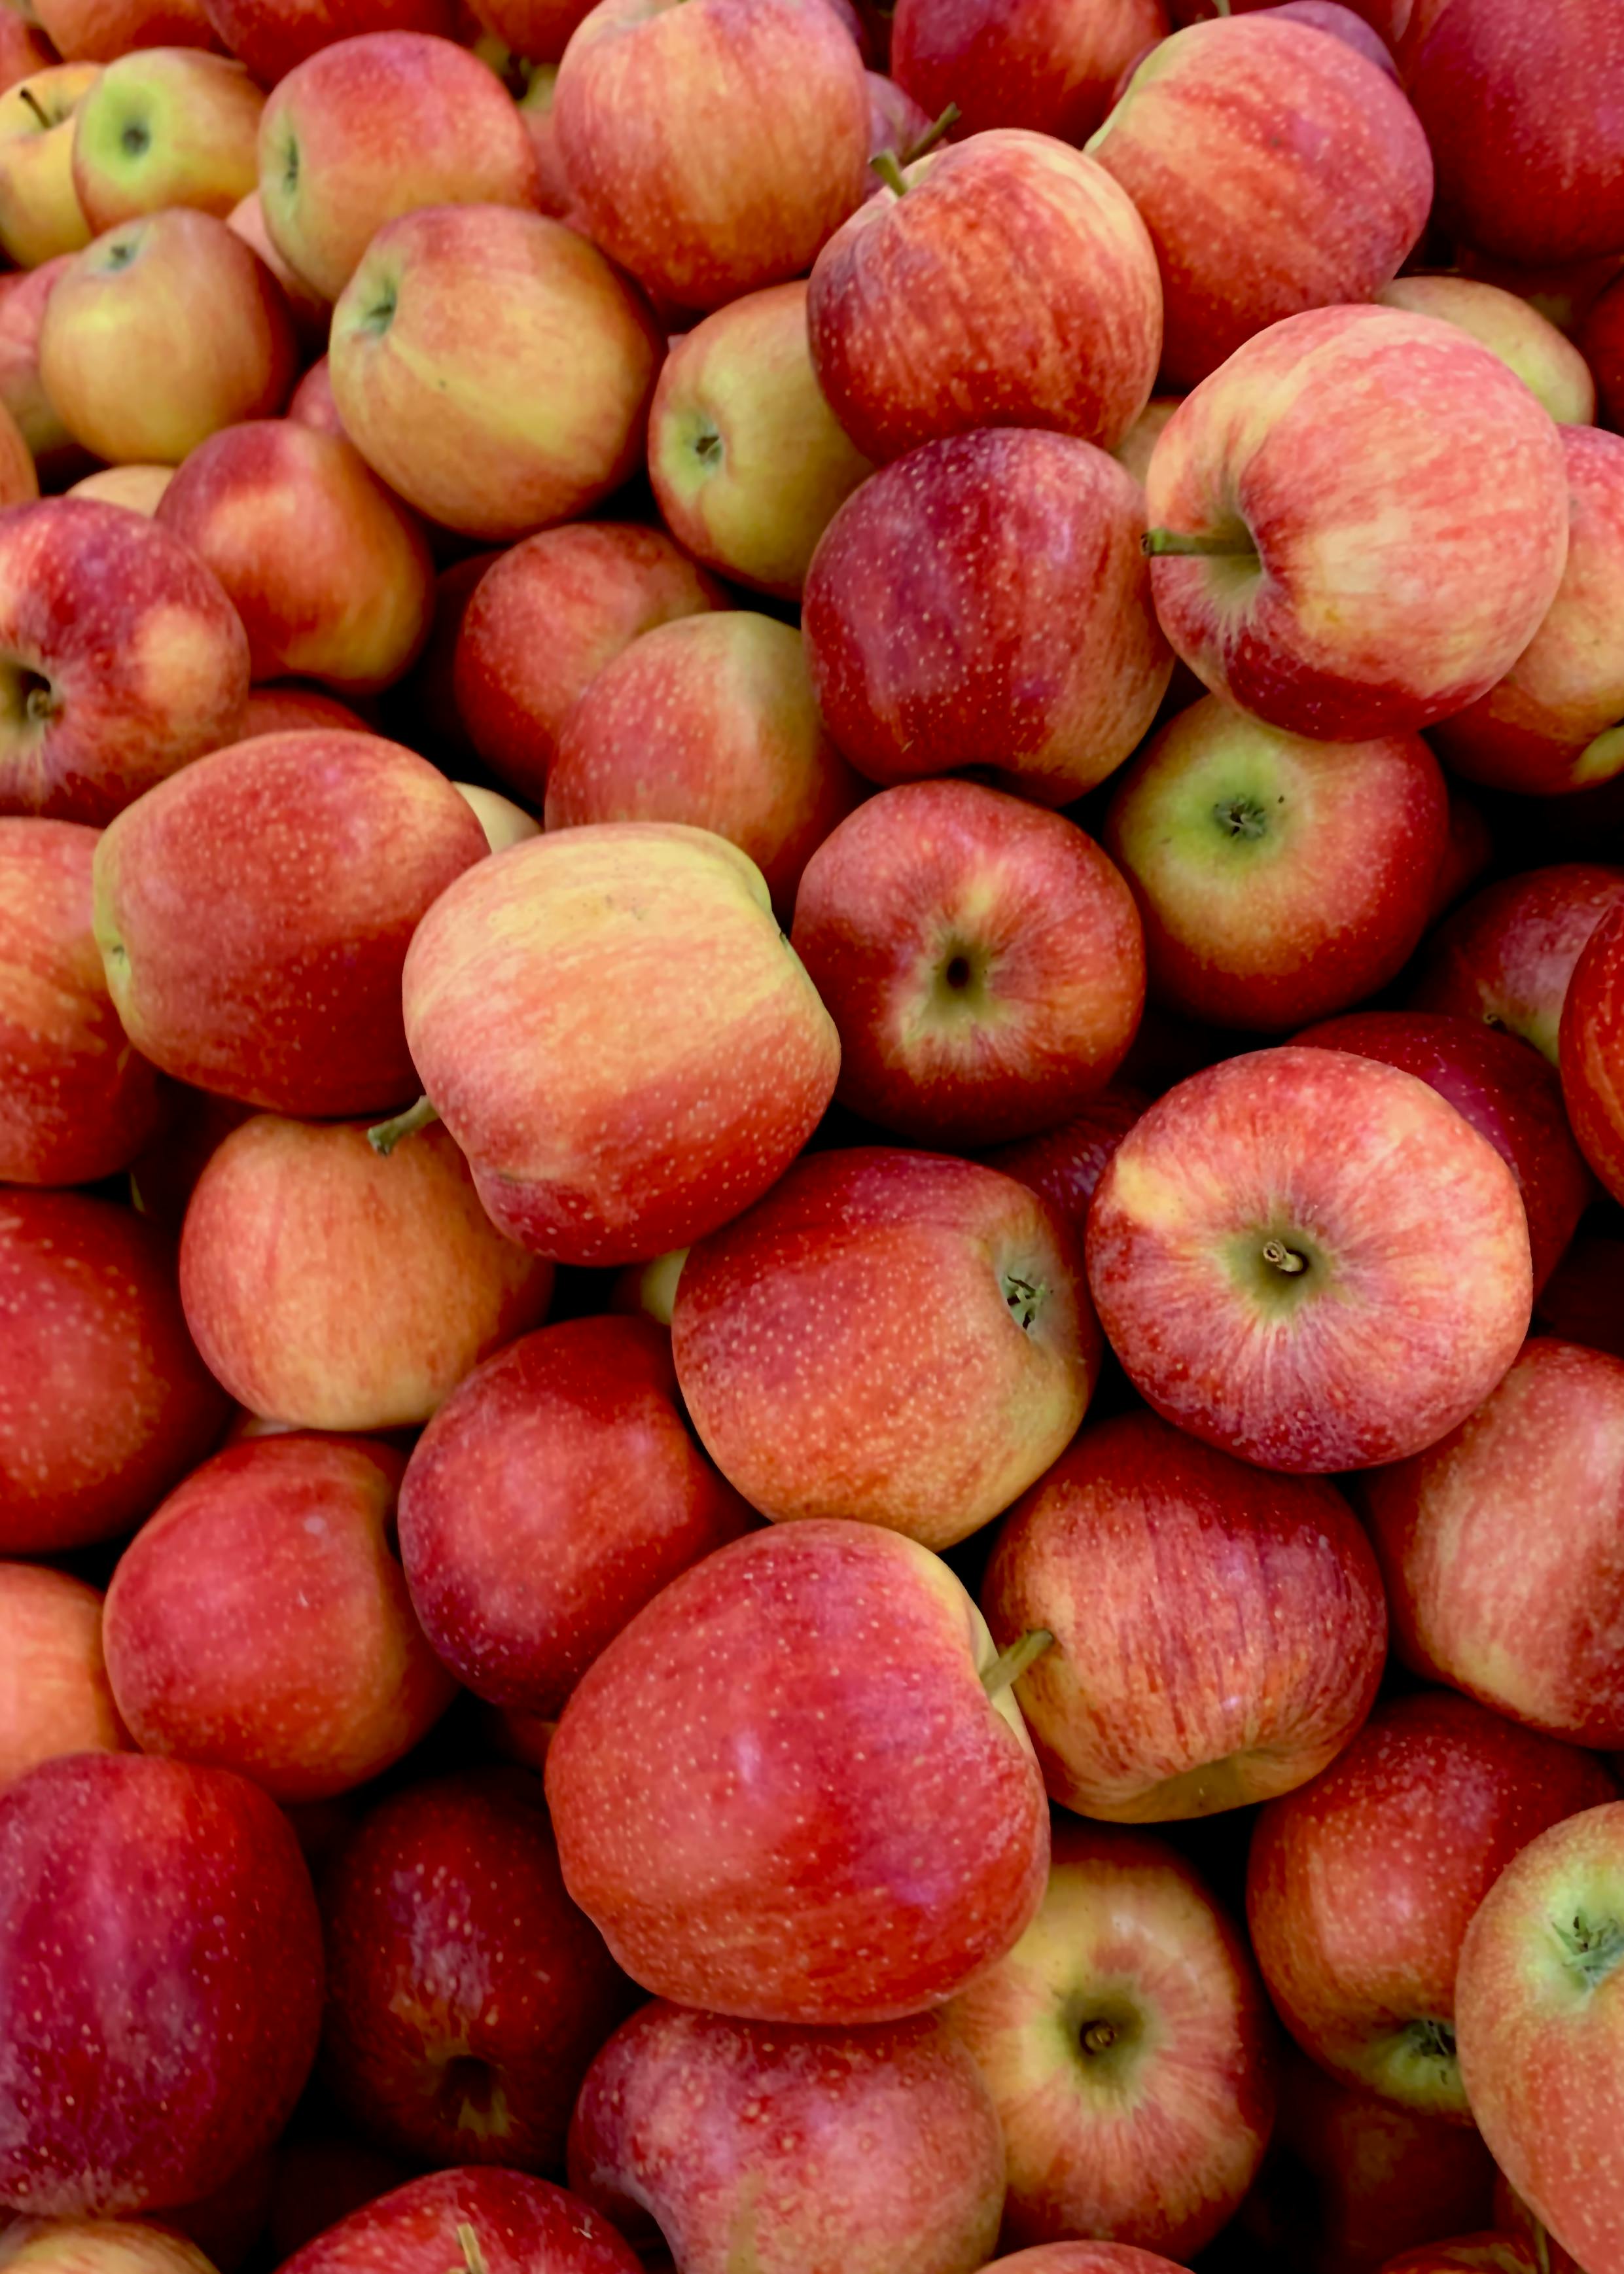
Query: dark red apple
1505	957
1063	1165
1049	64
1592	1051
470	2220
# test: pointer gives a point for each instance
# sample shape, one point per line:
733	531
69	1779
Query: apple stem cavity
932	135
1284	1259
1242	816
1593	1948
890	171
1011	1664
388	1134
1158	542
473	2257
36	105
1098	2037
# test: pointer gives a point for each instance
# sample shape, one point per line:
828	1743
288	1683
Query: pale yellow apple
40	211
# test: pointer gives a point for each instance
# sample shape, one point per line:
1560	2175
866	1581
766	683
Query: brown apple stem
1012	1663
388	1134
1158	541
932	135
473	2257
33	103
889	172
1283	1258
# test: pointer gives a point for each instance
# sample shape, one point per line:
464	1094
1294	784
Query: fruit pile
811	1137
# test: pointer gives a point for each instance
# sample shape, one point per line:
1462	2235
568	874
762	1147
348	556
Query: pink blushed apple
505	2221
23	295
1549	365
54	1692
1507	955
1047	64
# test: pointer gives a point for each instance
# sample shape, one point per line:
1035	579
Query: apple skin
54	1697
1550	366
259	1622
1506	957
981	959
544	619
136	488
1591	1054
76	1102
895	121
656	111
311	402
781	1898
1063	1165
57	457
466	1994
254	913
312	314
287	709
538	31
1408	1227
748	462
1539	2003
1327	179
791	2150
167	126
1360	1887
100	30
273	36
1013	284
1497	1546
317	2182
1047	64
1138	1537
493	367
1579	1303
520	2226
165	329
24	48
331	1289
160	1982
88	1445
712	1059
40	218
1278	878
503	822
97	2247
1602	338
1515	2221
1504	1089
1152	2136
1492	2253
329	573
1081	2258
552	1495
928	1418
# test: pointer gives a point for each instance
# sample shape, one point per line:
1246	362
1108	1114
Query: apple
1006	281
1468	853
1496	1546
544	619
1081	2258
1373	512
709	720
783	1792
896	123
311	402
75	2246
77	1103
926	1416
536	30
40	218
161	1980
1310	1259
981	959
1063	1165
792	2151
985	602
259	1621
289	708
1592	1051
748	462
714	1058
329	573
272	36
466	1994
1506	956
534	87
312	313
100	30
1138	445
253	915
1047	64
1490	2253
57	456
1579	1302
167	126
1279	878
422	704
1549	365
1130	2051
162	331
317	2180
553	1495
1538	1999
1602	338
1327	179
503	822
24	47
493	367
1360	1887
375	126
1342	23
91	1442
136	488
54	1692
476	2218
1138	1538
1516	2222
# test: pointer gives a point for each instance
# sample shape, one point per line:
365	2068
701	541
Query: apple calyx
388	1134
1098	2037
1283	1258
32	100
473	2257
1184	542
1241	816
1025	1297
1592	1948
136	139
1011	1664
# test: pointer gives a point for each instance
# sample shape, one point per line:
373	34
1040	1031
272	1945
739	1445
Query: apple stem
473	2257
1283	1258
932	135
1098	2037
1009	1665
889	172
1157	542
35	104
388	1134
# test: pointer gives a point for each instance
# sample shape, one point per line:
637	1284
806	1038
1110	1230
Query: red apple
1130	2051
22	296
713	1060
77	1103
311	402
1279	878
312	313
1490	2253
545	619
896	123
291	709
1507	955
100	30
1326	172
502	2222
330	575
1592	1051
1579	1303
120	659
93	1439
160	1982
1602	338
536	30
1310	1259
928	1415
166	126
1342	23
985	602
254	912
1375	512
319	2181
981	959
1539	2018
259	1621
1138	445
1360	1887
1081	2258
1137	1538
332	1289
1063	1165
1047	64
790	2150
423	702
54	1692
272	36
552	1495
74	2246
1548	365
1498	1547
658	112
1006	281
1471	850
24	47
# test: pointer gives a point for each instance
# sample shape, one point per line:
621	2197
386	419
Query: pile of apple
811	1130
